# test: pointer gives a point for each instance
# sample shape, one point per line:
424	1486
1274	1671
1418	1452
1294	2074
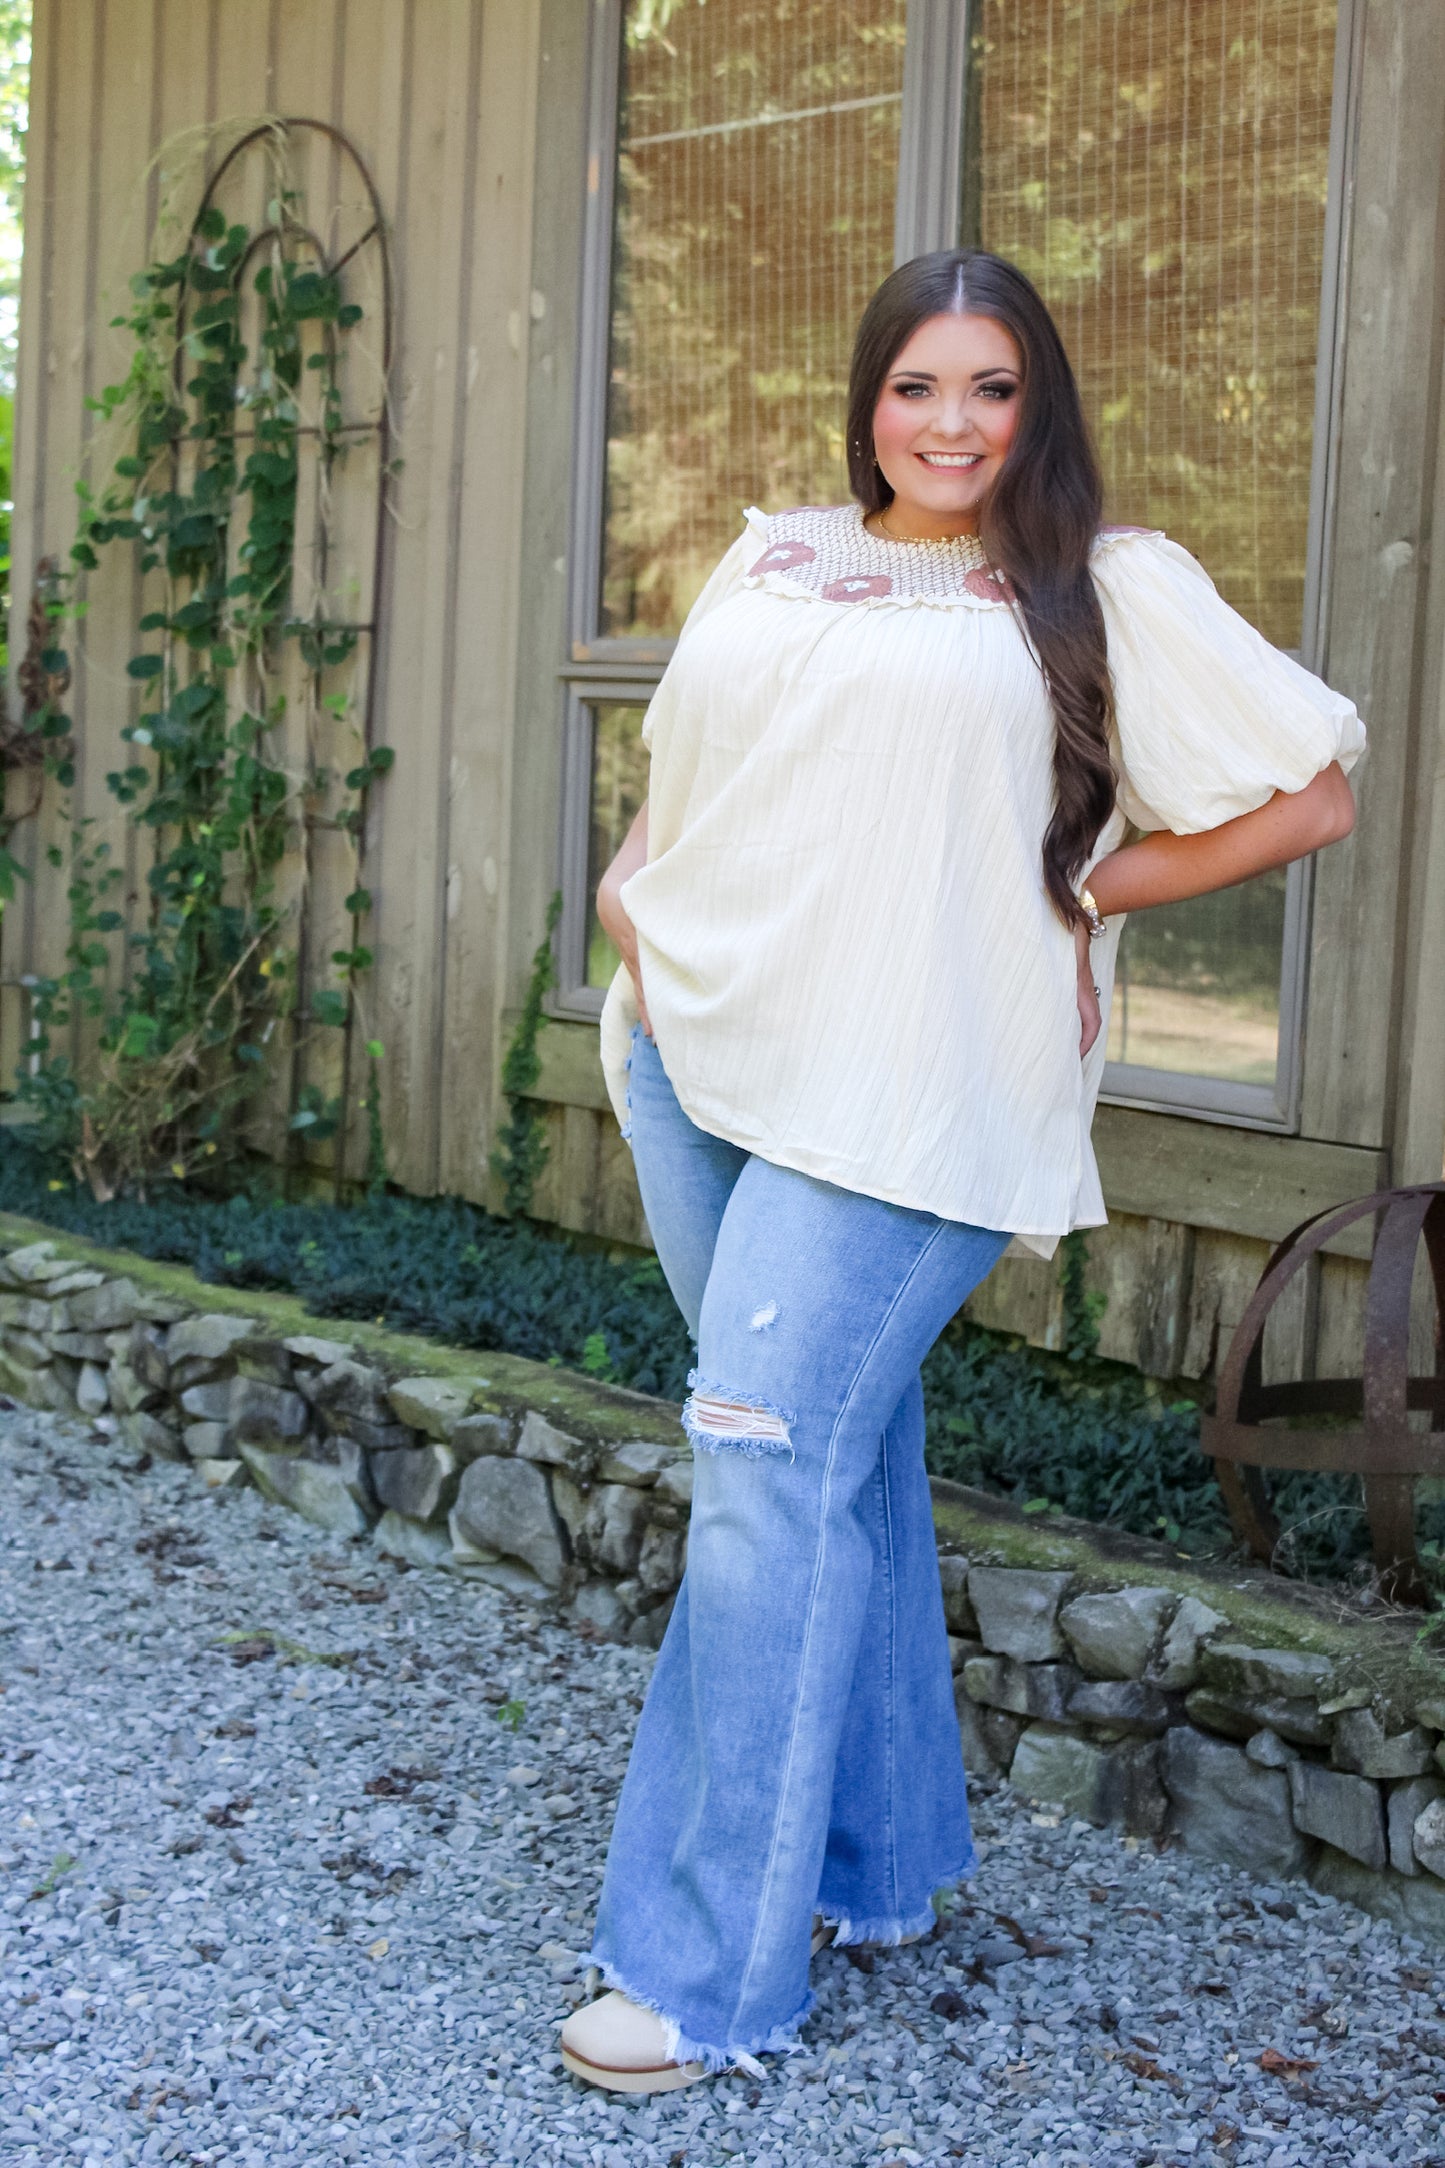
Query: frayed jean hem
887	1932
681	2047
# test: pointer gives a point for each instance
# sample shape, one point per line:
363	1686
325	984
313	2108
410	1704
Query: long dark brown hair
1038	522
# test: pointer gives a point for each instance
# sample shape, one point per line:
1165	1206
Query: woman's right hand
611	913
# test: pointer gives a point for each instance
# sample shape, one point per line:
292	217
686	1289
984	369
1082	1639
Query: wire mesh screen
1160	171
756	176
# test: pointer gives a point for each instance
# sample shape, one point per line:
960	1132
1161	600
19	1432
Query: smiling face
944	422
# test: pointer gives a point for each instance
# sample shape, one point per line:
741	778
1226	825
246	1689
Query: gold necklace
973	545
941	541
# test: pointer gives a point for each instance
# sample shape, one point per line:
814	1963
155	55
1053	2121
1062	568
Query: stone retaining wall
420	1464
1135	1705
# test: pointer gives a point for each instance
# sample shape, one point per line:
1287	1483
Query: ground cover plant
1057	1433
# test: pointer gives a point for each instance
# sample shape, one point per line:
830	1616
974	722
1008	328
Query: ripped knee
717	1419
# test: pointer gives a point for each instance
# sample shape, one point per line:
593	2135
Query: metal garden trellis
365	625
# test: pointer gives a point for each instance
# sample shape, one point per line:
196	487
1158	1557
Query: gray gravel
255	1906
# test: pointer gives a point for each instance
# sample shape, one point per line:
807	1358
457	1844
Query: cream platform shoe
615	2044
824	1931
618	2045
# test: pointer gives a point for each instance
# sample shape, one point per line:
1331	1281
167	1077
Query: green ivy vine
177	1017
1083	1306
521	1151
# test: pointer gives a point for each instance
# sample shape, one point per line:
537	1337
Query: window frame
932	180
925	216
1277	1106
583	694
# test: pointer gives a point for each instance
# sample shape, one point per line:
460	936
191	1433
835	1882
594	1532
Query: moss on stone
506	1384
1381	1651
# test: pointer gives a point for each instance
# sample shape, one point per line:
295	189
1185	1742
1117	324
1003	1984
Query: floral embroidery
826	552
853	586
783	557
989	586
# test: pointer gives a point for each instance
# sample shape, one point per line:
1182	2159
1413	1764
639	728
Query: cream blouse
851	965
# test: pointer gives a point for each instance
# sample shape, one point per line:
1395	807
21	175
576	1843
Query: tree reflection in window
756	178
1161	172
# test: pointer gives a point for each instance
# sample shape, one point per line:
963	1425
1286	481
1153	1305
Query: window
757	153
1170	178
744	206
1163	174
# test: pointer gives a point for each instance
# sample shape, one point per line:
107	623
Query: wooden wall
1173	1291
438	97
471	116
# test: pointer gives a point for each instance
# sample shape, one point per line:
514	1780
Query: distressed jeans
798	1750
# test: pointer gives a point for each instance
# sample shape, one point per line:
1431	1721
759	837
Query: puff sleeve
726	575
1211	719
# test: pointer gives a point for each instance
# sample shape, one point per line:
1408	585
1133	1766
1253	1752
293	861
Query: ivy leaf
140	1036
193	700
311	294
358	901
327	1006
378	762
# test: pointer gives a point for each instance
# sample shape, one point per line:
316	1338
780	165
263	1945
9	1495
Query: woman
868	919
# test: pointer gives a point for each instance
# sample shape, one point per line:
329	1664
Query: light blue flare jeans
798	1750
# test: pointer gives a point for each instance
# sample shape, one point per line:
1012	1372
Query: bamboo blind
1160	170
756	181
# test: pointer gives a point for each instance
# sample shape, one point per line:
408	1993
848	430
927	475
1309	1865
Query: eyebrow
1001	368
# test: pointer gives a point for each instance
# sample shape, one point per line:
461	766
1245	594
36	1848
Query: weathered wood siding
471	116
439	98
1174	1288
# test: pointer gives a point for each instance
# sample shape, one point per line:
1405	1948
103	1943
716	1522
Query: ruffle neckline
824	553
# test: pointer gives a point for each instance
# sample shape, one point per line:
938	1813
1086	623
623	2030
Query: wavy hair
1038	522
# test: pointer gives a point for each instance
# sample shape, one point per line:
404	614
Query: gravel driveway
298	1848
